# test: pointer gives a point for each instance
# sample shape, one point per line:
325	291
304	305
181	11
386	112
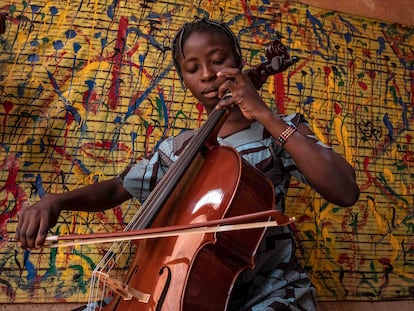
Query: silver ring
227	95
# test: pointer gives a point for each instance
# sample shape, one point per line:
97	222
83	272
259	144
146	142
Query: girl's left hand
239	90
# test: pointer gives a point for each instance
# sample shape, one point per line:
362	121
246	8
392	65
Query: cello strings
106	264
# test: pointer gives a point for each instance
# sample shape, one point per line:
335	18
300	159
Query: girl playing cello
209	63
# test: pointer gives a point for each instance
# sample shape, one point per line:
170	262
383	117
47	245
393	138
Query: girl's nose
208	73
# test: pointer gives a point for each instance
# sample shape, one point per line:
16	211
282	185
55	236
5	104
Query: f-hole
165	289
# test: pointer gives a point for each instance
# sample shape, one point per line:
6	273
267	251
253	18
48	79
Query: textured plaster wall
87	87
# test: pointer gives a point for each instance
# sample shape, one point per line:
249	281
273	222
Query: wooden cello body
197	271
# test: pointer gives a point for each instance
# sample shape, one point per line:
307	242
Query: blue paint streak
69	108
319	31
348	37
147	37
76	48
54	11
57	45
381	45
404	113
300	86
144	95
348	24
111	9
309	100
31	275
70	34
33	58
389	125
39	186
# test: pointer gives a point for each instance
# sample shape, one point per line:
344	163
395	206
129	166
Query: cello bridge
122	289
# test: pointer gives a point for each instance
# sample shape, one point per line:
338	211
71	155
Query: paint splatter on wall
87	87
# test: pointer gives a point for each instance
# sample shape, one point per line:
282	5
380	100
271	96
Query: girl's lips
211	94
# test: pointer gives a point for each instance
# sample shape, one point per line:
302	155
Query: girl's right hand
35	221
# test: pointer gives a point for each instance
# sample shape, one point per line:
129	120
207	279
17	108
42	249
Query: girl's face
204	55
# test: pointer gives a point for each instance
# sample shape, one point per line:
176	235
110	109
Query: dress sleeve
144	175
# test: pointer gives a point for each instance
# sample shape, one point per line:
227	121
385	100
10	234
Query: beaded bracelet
282	139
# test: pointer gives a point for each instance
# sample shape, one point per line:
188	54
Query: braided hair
202	25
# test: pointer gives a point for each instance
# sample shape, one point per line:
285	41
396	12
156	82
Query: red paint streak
103	217
133	65
371	74
90	101
247	13
299	67
8	106
132	51
12	187
366	52
150	130
66	156
91	150
118	214
371	180
394	43
409	138
337	108
280	93
326	224
363	85
352	65
69	118
114	91
303	218
384	261
368	174
408	157
343	258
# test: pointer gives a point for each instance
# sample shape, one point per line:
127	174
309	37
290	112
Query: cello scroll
278	60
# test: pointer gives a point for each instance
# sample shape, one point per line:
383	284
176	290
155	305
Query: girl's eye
218	61
192	69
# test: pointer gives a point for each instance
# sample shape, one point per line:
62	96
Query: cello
197	271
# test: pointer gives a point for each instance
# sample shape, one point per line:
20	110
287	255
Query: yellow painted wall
86	87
